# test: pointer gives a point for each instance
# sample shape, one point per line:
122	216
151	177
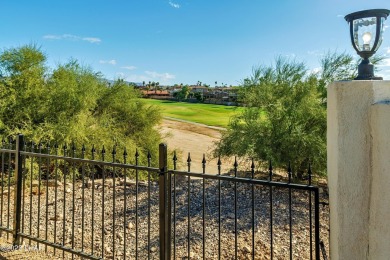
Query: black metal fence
73	207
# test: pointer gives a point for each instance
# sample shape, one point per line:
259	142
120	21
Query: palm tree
149	86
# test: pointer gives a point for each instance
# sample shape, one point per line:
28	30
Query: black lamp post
366	28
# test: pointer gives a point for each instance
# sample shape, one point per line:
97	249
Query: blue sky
183	41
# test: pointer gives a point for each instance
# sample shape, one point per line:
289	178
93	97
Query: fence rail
94	209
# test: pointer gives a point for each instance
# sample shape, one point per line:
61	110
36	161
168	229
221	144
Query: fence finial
10	141
204	159
83	151
289	172
113	153
149	157
189	162
136	155
253	168
47	147
235	166
103	153
64	148
174	160
235	162
309	173
204	163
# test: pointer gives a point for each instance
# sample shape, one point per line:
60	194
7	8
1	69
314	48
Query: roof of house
152	92
200	87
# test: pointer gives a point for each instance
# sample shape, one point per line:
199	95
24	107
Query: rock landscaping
110	218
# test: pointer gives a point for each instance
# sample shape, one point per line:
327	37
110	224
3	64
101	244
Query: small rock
71	209
231	215
119	236
127	183
53	183
130	225
5	191
153	249
36	191
107	249
56	218
87	183
68	190
143	183
108	183
34	183
246	249
98	181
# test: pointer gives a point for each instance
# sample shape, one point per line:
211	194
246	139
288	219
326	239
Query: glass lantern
366	29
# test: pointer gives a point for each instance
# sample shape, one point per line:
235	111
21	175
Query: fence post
18	190
164	198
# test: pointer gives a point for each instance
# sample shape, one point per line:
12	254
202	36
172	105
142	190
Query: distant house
199	89
197	92
156	94
221	95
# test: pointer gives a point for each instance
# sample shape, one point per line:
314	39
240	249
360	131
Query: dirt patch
196	139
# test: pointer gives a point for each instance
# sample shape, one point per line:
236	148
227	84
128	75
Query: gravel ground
120	235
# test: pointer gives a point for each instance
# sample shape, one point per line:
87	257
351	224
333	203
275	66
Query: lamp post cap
367	13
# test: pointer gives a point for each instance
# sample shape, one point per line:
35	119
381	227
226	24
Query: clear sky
183	41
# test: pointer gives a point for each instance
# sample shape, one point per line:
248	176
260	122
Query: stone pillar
351	158
379	228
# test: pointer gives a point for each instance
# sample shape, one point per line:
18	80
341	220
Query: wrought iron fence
99	207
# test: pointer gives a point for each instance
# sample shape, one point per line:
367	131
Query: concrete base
356	168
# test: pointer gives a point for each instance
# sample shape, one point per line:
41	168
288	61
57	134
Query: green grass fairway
208	114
